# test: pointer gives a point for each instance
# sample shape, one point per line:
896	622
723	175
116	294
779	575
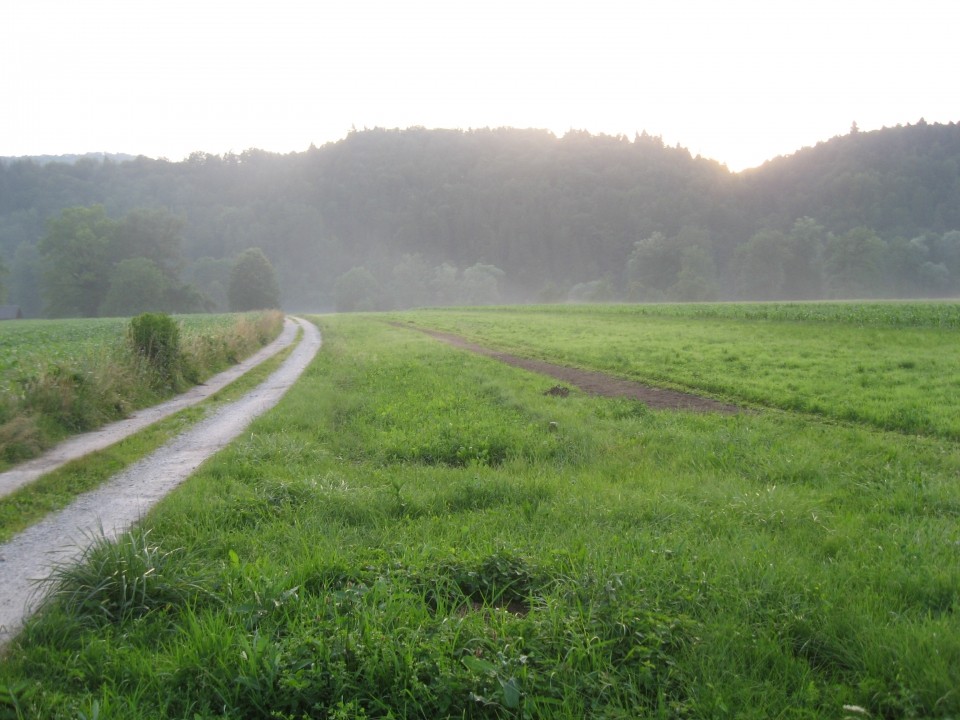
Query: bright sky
739	81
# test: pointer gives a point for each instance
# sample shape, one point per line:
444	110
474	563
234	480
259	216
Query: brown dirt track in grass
593	382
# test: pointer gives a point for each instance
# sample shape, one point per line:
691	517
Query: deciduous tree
137	285
357	290
761	265
75	257
253	282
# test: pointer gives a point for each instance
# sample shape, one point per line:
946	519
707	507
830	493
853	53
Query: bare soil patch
593	382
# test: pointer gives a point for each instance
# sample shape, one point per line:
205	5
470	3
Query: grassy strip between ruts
57	489
894	366
420	532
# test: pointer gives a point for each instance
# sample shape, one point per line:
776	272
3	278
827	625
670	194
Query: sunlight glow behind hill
740	82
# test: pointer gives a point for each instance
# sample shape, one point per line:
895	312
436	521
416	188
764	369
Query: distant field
935	314
419	531
27	346
891	365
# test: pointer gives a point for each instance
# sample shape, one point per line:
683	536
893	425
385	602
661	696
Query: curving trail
122	501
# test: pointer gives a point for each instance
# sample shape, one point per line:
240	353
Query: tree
653	267
935	279
696	281
761	265
153	234
803	271
481	284
410	282
593	291
75	261
905	261
213	275
253	282
947	251
137	286
853	263
445	284
24	284
3	276
357	290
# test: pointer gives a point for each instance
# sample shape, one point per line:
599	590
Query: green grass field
416	531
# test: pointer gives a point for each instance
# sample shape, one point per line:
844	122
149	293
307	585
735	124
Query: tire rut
592	381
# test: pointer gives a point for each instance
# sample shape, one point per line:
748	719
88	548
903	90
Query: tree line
88	264
398	218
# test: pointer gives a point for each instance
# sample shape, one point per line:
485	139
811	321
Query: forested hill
412	217
898	181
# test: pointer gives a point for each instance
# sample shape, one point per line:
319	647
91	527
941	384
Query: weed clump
116	582
155	337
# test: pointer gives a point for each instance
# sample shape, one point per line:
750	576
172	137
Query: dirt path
80	445
119	503
596	383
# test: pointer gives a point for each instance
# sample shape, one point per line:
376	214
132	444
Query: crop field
27	346
418	531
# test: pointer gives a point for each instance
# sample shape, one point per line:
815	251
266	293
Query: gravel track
120	502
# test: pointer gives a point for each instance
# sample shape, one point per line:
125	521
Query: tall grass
57	489
608	561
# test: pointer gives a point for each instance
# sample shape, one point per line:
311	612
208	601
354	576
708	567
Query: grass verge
58	489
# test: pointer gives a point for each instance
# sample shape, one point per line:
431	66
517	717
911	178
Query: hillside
533	216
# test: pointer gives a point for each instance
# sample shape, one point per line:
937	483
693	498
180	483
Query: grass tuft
116	582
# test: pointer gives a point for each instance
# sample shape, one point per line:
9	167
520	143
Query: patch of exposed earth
593	382
116	505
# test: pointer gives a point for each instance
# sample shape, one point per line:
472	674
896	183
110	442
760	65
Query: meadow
417	531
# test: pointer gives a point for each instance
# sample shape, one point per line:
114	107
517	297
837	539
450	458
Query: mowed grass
416	531
894	366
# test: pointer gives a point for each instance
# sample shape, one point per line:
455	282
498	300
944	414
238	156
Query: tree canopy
90	264
253	282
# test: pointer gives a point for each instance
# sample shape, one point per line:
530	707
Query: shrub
156	338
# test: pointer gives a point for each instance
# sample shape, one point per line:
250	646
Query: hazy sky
740	81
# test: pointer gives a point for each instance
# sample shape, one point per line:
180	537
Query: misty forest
408	218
